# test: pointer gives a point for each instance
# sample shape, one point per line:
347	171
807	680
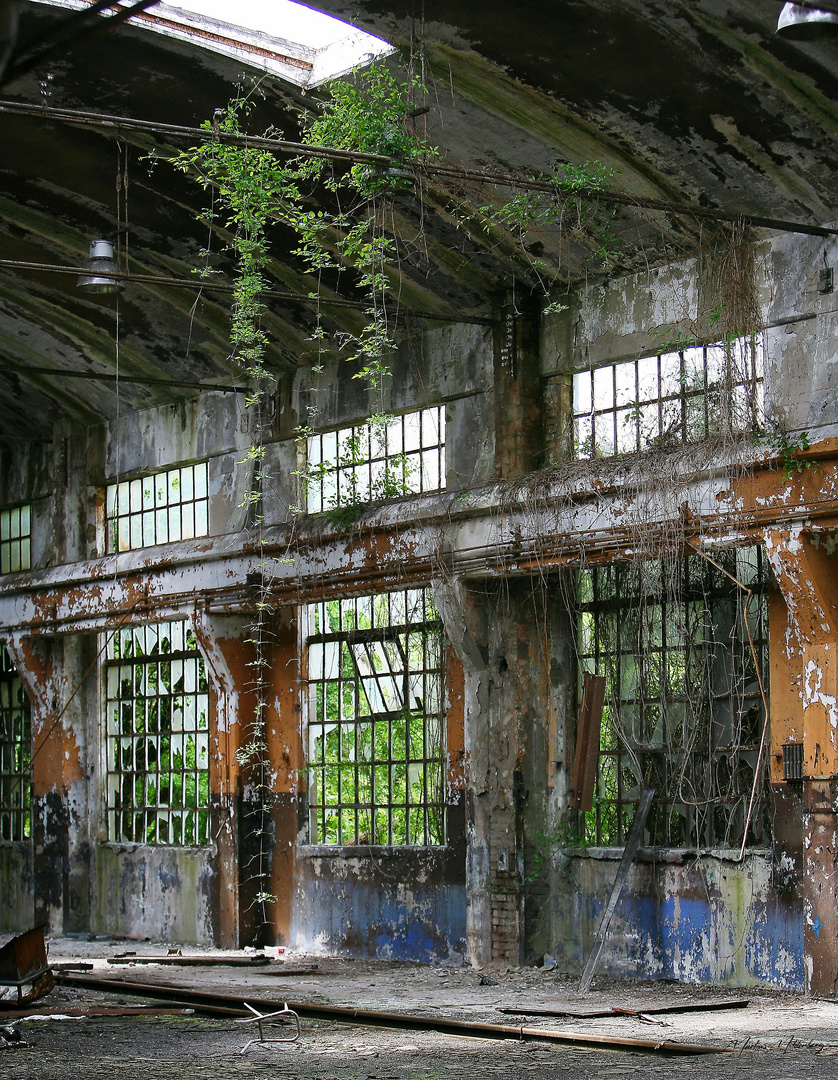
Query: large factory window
680	645
376	721
157	737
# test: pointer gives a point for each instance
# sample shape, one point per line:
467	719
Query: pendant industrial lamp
799	23
101	263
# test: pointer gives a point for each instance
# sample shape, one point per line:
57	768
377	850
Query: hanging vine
247	187
344	220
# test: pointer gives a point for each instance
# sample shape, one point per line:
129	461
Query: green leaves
789	447
367	113
570	204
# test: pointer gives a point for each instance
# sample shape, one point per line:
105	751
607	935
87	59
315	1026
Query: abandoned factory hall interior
419	481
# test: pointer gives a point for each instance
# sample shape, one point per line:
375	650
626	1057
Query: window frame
685	407
15	756
337	813
709	597
185	664
144	511
343	467
16	534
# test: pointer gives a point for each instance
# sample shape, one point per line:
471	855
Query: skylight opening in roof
280	37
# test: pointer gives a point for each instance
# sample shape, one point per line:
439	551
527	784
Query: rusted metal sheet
22	956
24	966
583	779
455	692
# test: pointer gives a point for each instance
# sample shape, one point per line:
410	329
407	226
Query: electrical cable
435	171
211	286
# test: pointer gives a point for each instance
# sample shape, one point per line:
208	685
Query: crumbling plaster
709	919
495	552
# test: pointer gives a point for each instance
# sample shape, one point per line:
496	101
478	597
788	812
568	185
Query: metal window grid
363	463
683	710
158	508
15	755
157	737
675	397
376	720
15	539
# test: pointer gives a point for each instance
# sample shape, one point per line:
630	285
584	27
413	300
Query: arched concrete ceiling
696	101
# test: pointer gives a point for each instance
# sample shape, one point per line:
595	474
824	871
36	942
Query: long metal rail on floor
233	1005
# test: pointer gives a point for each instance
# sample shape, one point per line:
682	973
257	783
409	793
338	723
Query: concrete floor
777	1035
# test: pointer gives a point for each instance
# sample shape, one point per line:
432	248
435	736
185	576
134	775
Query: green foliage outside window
158	739
376	772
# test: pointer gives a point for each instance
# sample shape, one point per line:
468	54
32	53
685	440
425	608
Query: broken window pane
156	730
683	707
376	729
15	755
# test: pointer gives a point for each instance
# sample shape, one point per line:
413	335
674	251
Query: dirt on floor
775	1036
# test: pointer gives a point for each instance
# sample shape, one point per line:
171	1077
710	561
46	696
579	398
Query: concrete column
254	811
820	891
56	675
518	396
506	690
285	752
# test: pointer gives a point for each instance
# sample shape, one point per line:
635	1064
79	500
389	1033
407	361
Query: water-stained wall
501	588
706	919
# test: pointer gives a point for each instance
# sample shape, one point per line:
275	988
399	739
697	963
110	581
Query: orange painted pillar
804	708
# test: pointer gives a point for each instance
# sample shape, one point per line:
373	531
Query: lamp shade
101	262
806	24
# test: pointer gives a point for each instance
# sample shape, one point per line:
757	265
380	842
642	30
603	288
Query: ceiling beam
433	171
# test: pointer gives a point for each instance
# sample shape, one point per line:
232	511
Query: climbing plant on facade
247	187
344	221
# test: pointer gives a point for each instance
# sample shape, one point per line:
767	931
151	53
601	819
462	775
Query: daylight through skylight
295	42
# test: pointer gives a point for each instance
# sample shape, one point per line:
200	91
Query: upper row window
15	539
362	463
677	397
157	509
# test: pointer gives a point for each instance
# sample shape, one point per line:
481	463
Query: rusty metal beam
504	529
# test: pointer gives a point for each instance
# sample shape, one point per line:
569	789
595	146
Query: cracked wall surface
499	547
